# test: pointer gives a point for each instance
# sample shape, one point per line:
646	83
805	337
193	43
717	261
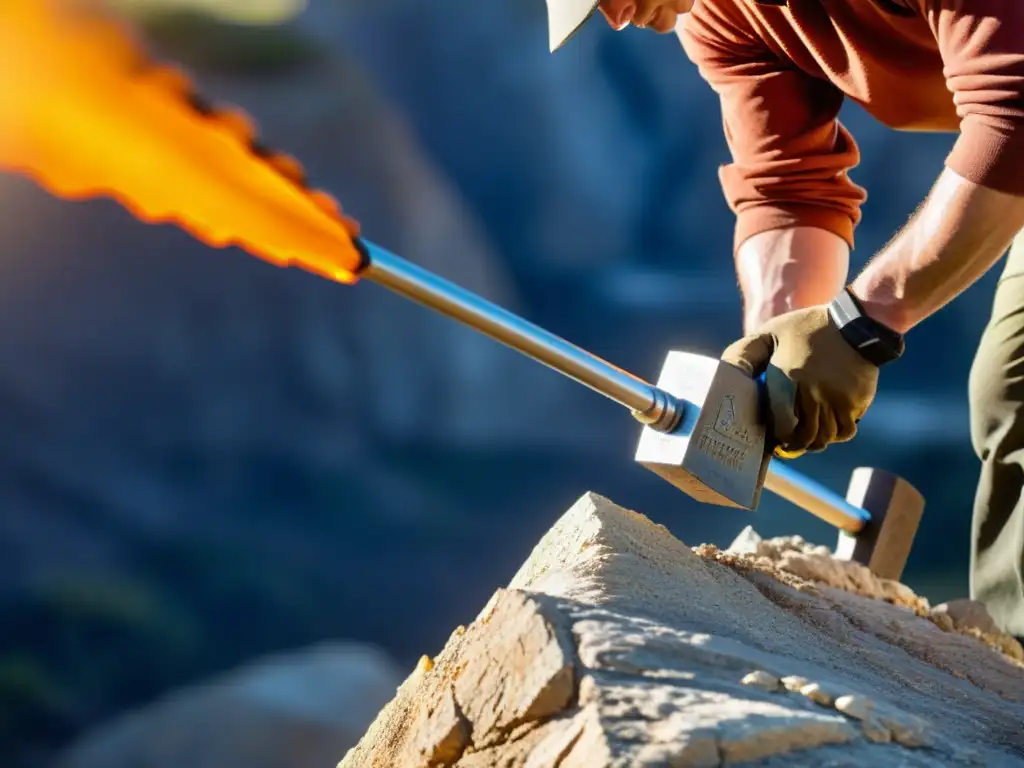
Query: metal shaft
649	404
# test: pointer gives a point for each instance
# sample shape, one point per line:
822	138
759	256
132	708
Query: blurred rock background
208	460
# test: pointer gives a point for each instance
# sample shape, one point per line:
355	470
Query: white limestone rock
617	645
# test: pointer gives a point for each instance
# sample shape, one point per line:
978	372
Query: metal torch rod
649	404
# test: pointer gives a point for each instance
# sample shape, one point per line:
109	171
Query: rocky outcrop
616	644
298	709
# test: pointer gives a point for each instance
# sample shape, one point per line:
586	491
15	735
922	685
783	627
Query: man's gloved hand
818	385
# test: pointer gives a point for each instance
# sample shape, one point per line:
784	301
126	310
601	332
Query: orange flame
84	114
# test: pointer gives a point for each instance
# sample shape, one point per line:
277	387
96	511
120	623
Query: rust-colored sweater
783	69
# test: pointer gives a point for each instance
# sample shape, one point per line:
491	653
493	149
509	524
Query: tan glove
818	385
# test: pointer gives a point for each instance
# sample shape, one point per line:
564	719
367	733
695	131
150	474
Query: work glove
818	386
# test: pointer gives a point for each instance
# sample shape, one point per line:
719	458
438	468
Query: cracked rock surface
617	645
800	564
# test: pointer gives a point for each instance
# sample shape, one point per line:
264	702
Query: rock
762	680
816	563
875	731
747	542
795	683
969	615
908	730
818	694
858	707
512	668
616	644
299	709
791	556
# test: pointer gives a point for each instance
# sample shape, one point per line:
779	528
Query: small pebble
425	664
908	730
858	707
795	682
746	543
816	693
875	731
763	680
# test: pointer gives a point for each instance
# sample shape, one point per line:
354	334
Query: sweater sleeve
790	154
982	49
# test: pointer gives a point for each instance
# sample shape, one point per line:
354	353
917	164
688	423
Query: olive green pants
997	433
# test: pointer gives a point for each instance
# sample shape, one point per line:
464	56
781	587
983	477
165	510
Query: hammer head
717	454
896	509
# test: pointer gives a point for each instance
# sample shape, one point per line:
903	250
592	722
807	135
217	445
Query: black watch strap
875	342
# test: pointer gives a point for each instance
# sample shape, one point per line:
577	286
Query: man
782	70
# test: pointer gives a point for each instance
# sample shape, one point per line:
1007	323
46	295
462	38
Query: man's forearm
956	236
786	269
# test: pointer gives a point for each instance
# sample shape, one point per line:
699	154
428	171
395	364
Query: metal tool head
717	453
896	508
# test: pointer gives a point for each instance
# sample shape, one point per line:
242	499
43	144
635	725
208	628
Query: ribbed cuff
764	218
990	156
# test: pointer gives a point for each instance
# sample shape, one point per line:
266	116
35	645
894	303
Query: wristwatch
875	342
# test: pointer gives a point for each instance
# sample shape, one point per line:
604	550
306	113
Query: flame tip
94	117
